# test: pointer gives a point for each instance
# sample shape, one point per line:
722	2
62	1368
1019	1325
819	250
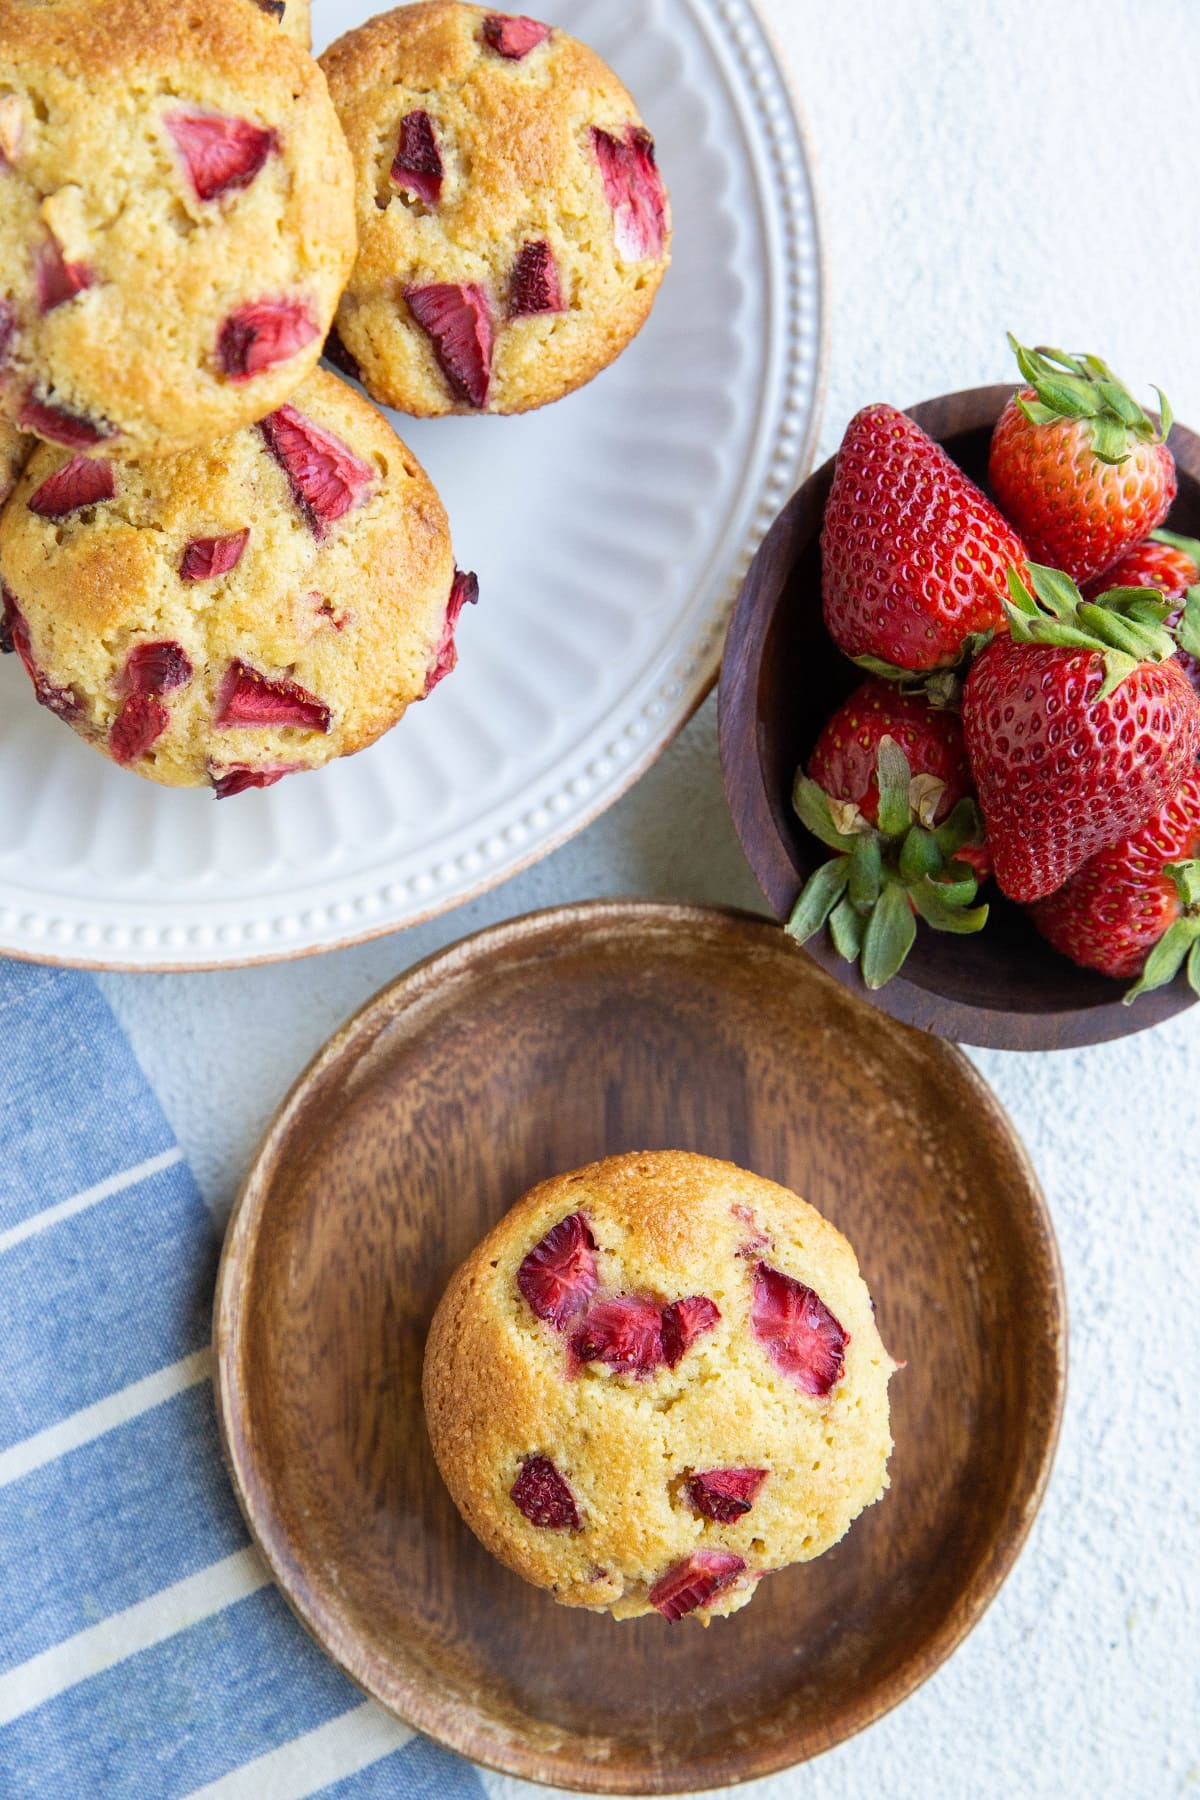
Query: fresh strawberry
221	154
513	35
694	1582
683	1321
84	481
417	164
57	280
634	190
1078	726
887	788
325	476
14	635
137	727
206	558
625	1333
234	778
156	667
913	554
248	698
261	334
1172	564
545	1498
798	1331
458	322
725	1494
59	426
559	1275
535	287
464	590
1076	464
1134	909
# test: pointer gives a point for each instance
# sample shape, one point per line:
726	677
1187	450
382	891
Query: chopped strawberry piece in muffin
206	558
541	1493
155	668
725	1494
14	635
513	35
559	1275
237	779
325	476
798	1331
263	333
137	727
84	481
694	1582
221	154
59	426
683	1321
624	1333
250	698
634	189
535	286
463	590
417	164
457	319
57	279
8	330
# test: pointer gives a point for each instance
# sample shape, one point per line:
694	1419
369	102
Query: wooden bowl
533	1048
781	679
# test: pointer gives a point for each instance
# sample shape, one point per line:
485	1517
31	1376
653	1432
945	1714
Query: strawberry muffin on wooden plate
232	616
513	225
658	1379
176	221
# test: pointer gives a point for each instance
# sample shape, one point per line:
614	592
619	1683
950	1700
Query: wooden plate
534	1047
782	677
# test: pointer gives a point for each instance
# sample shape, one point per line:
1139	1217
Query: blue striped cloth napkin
143	1650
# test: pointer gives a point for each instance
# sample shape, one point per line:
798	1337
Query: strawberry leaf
919	856
821	893
942	914
1166	959
963	827
895	777
1187	632
1085	388
846	928
812	809
866	873
890	935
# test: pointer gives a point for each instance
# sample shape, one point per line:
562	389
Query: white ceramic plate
609	532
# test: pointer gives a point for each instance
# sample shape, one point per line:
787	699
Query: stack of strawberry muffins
1032	702
219	563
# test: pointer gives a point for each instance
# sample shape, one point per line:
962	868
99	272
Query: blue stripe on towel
60	1044
101	1299
111	1523
180	1714
418	1771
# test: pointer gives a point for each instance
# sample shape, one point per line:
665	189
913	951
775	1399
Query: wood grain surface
534	1047
781	679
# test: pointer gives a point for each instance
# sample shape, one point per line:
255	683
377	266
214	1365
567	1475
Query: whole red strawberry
1078	726
887	789
1171	564
1135	908
1076	464
913	554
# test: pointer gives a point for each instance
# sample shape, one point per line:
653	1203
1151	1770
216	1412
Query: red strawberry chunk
682	1323
544	1497
57	279
725	1494
325	476
513	35
221	154
60	426
798	1331
336	352
535	285
417	164
8	330
274	9
249	698
261	334
559	1275
458	321
14	635
694	1582
634	189
139	724
206	558
625	1333
155	668
237	778
464	588
83	481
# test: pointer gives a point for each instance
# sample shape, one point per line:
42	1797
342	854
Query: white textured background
1028	164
